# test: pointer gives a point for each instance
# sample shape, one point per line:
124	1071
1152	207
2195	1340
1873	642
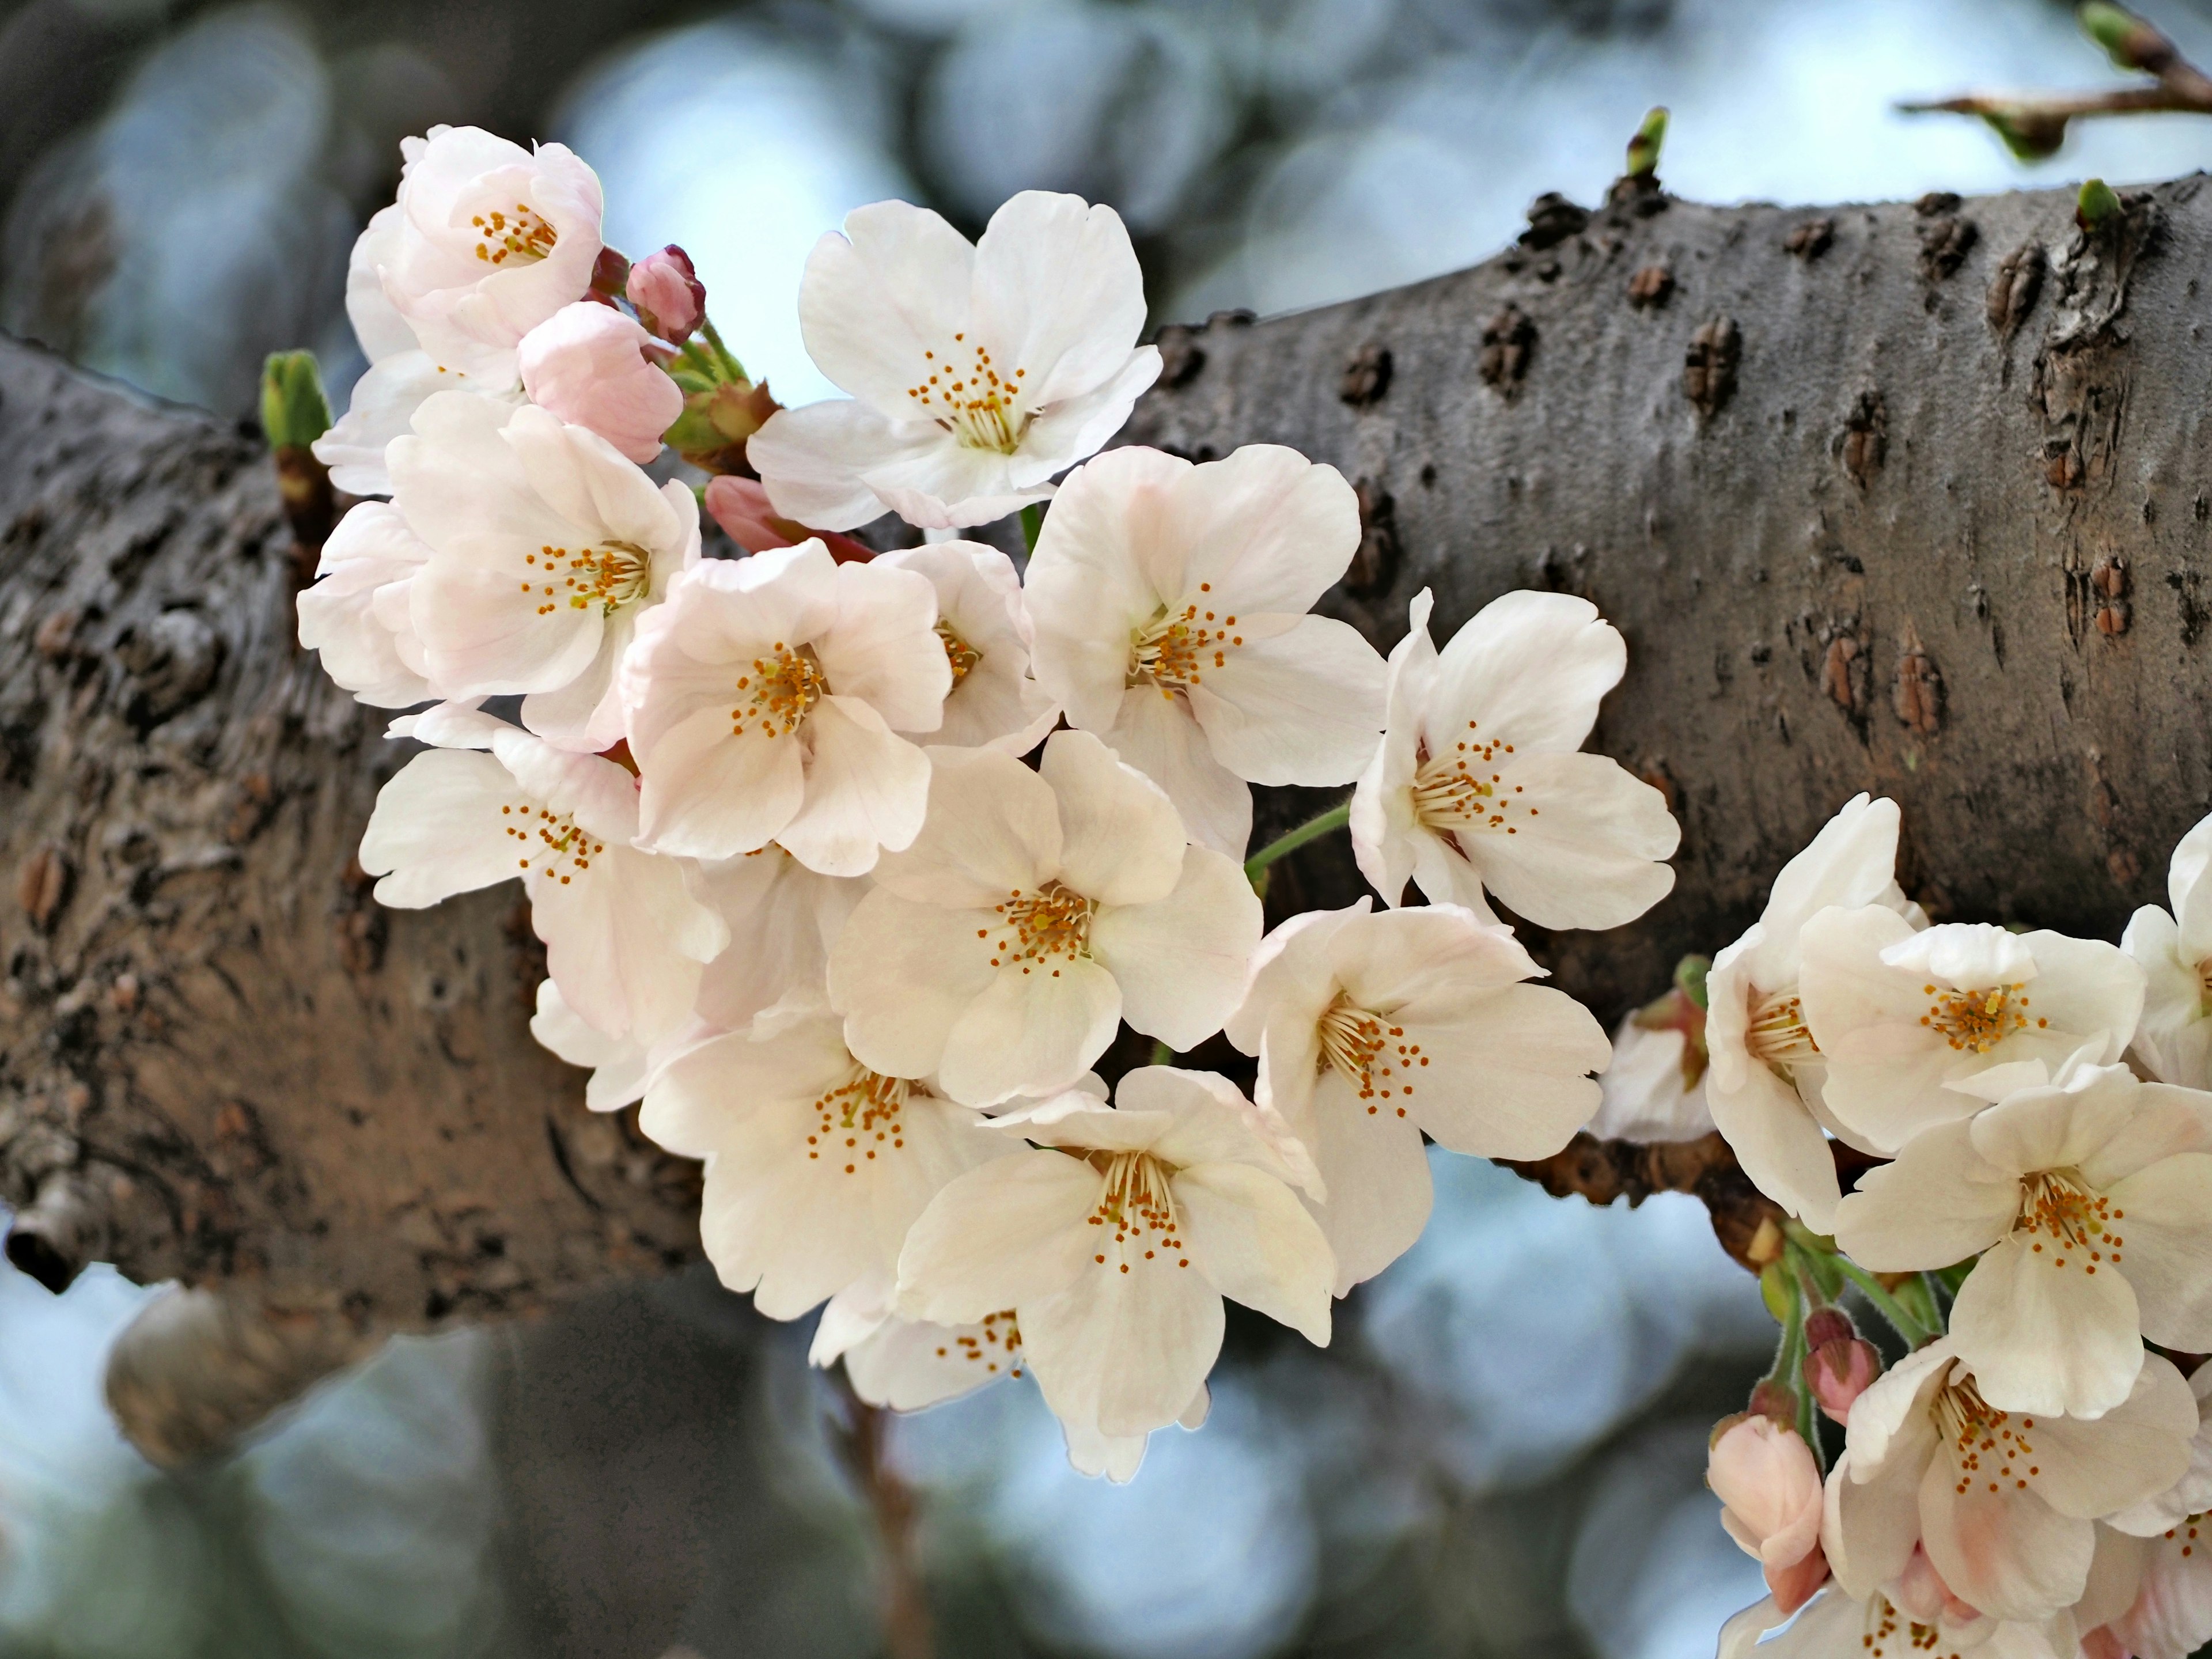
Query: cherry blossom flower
489	241
1766	1071
400	373
356	615
1769	1486
1034	911
2089	1197
741	508
1170	607
983	618
1653	1089
1839	1366
762	703
1902	1018
670	298
2003	1504
782	919
1115	1241
588	364
1480	783
1347	1010
977	372
546	546
2174	1039
2171	1617
624	940
816	1166
2190	1496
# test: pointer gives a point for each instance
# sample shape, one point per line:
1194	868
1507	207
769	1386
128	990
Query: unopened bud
586	363
2129	42
1769	1485
1826	1325
2099	205
1839	1371
1776	1401
1644	148
1689	975
294	410
741	508
670	298
609	273
2030	134
716	421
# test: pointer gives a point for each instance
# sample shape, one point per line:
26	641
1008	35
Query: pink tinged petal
2057	1127
2164	1212
714	1098
2171	1617
1591	856
586	364
1253	1239
1007	1233
624	939
2009	1553
1155	733
482	636
1303	707
1375	1173
1036	1027
1421	960
1531	668
1292	967
2165	1122
1778	1143
1510	1076
1073	428
438	828
993	829
1939	1203
897	283
1181	961
1869	1528
884	648
949	486
1058	291
2136	1450
2046	1338
1122	841
706	793
1203	1119
1124	1351
812	460
906	1365
619	1066
902	974
1270	530
866	790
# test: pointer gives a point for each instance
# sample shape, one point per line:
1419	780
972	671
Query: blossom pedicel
822	885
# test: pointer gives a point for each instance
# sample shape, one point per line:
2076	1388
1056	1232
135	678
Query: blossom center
1136	1203
1886	1626
2066	1221
1977	1021
1983	1442
860	1117
963	656
609	577
1041	928
523	235
782	686
1368	1052
1174	649
1455	789
1776	1035
552	846
980	407
997	1344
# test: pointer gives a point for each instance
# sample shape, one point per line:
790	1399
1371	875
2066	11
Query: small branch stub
1649	288
1509	341
1366	376
1809	241
1710	364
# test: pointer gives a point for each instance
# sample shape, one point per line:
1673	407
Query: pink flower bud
2102	1643
1826	1325
1838	1372
670	298
586	364
1775	1401
1770	1489
741	507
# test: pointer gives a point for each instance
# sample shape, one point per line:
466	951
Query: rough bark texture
1910	499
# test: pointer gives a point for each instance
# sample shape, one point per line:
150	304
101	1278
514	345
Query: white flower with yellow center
2174	1041
1034	911
2087	1197
763	700
546	546
816	1166
1115	1241
1903	1016
624	940
2004	1503
1372	1029
1765	1071
1171	606
983	618
1479	784
976	372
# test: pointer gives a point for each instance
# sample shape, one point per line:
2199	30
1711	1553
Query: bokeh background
1502	1453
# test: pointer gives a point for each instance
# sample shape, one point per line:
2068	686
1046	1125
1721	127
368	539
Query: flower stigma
963	656
1368	1052
861	1116
550	840
1174	649
981	408
2058	1207
1050	924
609	577
1452	793
1980	1440
1976	1020
1137	1204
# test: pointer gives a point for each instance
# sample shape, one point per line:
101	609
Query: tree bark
1910	499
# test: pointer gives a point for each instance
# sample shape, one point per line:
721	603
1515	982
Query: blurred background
1503	1452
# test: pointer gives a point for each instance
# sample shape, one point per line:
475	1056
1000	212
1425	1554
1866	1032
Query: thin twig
861	1439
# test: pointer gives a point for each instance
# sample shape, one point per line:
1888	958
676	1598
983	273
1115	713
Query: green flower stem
1312	829
1886	1305
735	370
1032	525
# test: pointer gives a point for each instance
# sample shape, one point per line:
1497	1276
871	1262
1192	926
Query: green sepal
294	410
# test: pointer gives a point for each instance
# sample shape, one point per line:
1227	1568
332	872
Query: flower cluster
851	866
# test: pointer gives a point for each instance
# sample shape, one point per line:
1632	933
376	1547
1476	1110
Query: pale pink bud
1770	1490
586	364
1826	1325
1838	1372
2102	1643
741	507
670	298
